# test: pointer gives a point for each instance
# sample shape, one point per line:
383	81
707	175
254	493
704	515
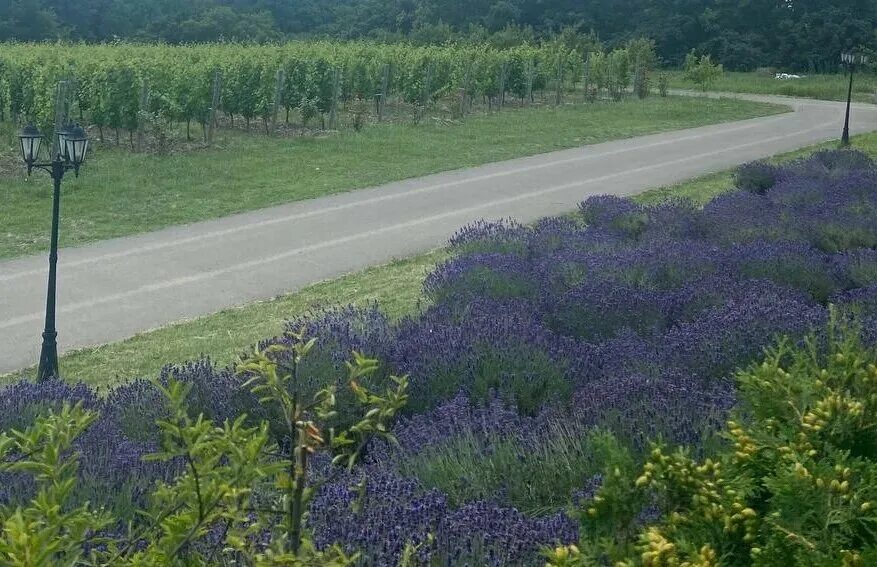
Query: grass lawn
122	193
827	87
396	287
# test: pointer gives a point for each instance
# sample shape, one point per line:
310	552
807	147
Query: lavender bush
756	177
620	318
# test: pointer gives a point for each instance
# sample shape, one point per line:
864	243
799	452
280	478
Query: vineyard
127	87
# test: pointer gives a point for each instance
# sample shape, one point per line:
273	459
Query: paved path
113	289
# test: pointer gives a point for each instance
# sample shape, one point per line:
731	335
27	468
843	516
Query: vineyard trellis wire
255	83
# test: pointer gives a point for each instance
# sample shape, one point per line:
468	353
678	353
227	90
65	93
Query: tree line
796	35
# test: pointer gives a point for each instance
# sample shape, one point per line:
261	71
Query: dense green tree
223	23
796	35
27	20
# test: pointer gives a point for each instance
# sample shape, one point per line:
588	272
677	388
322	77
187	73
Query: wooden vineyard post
67	92
530	71
214	106
587	81
144	106
72	93
426	95
637	86
381	99
558	96
464	91
461	101
280	81
427	86
502	79
60	113
336	94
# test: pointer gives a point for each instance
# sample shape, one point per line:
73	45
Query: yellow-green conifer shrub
794	484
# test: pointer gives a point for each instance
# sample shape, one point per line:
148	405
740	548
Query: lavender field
547	353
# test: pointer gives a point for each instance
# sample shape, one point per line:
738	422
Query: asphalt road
113	289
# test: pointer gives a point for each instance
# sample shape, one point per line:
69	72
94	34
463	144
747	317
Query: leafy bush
857	267
472	468
845	160
663	84
756	177
498	347
309	108
596	310
504	237
337	333
615	214
795	265
796	482
701	70
204	513
465	279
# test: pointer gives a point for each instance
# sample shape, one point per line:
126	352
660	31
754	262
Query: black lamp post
72	147
850	60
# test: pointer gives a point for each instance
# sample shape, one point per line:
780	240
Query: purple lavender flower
796	265
500	346
487	275
614	214
501	237
730	336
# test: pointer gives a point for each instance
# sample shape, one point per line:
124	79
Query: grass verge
825	87
121	193
395	286
224	335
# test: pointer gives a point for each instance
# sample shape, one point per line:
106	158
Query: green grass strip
818	86
121	193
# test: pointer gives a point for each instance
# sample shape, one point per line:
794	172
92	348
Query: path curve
113	289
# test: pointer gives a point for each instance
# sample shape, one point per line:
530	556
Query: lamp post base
845	137
48	357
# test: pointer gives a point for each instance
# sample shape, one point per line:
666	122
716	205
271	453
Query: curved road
113	289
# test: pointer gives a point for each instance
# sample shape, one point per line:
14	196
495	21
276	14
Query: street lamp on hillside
850	60
72	146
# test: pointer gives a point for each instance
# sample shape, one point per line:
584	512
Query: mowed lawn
121	193
396	287
825	87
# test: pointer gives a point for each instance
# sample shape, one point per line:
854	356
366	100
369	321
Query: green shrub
702	71
756	177
534	479
795	484
223	467
663	85
523	375
862	272
482	281
309	109
834	238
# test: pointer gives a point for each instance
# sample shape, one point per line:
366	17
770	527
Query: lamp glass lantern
853	59
30	140
76	145
62	134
